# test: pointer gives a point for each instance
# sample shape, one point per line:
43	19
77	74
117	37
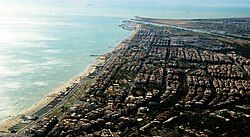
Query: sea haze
44	43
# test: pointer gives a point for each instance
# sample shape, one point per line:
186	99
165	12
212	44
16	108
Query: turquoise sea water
45	43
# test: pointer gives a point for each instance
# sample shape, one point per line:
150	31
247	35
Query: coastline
151	84
5	124
11	121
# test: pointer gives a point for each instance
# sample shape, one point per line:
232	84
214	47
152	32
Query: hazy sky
212	3
131	7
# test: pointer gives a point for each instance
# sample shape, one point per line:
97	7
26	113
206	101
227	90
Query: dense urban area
162	81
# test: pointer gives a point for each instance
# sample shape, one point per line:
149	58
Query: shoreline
148	86
7	123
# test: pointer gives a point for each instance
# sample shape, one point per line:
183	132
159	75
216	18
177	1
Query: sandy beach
7	123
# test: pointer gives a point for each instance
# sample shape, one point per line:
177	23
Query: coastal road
47	109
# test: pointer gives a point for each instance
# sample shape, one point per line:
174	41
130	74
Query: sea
45	43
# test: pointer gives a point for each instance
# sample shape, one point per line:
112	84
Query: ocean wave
2	109
51	62
4	71
10	71
11	85
40	83
53	51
